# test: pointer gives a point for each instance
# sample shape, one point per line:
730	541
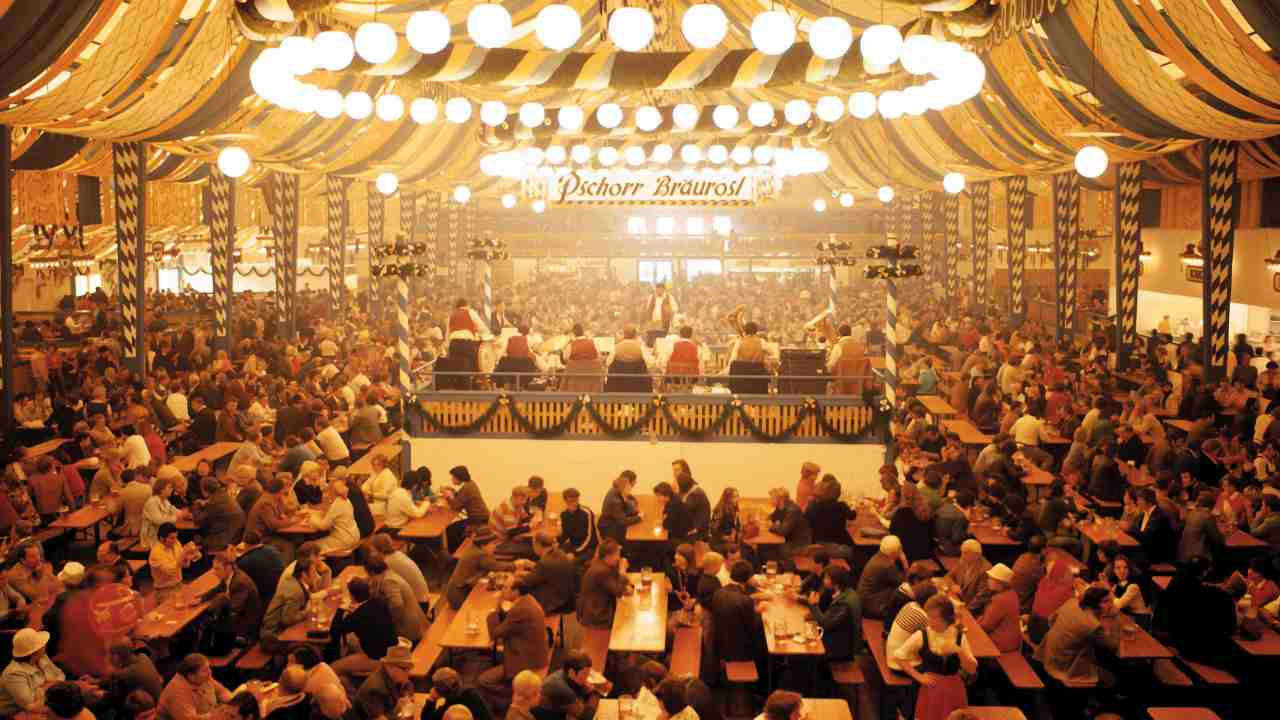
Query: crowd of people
1071	438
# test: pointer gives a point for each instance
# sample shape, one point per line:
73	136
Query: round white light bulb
690	154
428	31
915	100
725	117
704	25
741	155
556	154
389	108
1091	161
489	25
539	206
829	108
846	199
508	201
631	28
648	118
493	112
819	205
634	155
570	117
763	154
953	182
299	53
558	27
881	45
609	115
423	111
661	154
885	193
358	105
581	154
334	50
607	155
233	161
917	54
890	104
375	42
387	183
329	104
457	110
685	116
773	32
718	154
797	112
760	113
461	194
862	105
830	37
532	114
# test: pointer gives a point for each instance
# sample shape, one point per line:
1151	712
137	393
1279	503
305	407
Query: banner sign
675	188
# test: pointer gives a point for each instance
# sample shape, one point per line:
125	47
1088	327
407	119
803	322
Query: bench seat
1019	671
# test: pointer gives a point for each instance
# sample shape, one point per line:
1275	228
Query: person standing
659	309
935	657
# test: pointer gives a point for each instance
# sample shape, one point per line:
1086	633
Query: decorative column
1127	199
6	281
918	239
831	292
129	173
1066	252
981	193
377	209
337	211
282	202
222	243
932	259
951	254
488	292
1219	213
408	219
453	236
1016	199
437	242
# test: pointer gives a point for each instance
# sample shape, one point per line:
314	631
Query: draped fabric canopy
1141	78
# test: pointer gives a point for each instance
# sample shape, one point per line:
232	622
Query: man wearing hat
24	679
1000	618
391	676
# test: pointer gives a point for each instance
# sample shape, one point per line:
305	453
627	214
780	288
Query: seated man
581	363
629	370
748	356
365	629
518	357
568	693
684	364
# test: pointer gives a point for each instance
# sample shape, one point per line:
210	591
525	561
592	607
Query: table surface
649	529
1266	646
640	619
992	712
188	463
760	508
1110	530
968	433
788	615
936	405
85	517
171	617
475	612
816	708
1182	713
429	526
46	447
387	448
986	533
1137	644
1183	425
298	631
1239	539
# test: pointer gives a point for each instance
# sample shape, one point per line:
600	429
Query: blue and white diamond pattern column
1128	234
1016	197
129	173
1219	213
1066	252
335	196
377	210
222	243
950	239
282	202
408	219
932	258
981	192
292	199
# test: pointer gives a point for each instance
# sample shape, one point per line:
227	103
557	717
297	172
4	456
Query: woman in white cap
1000	618
24	679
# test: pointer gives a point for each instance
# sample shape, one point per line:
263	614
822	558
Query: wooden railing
619	415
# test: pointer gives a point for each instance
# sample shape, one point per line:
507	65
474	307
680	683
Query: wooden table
760	508
168	619
786	617
213	453
338	595
1136	643
1182	713
388	447
1184	425
1108	531
985	533
649	529
865	518
814	709
1266	646
968	433
992	712
45	447
1241	540
936	406
431	525
89	516
469	629
640	619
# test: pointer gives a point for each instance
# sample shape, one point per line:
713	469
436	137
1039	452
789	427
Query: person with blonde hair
339	519
807	483
526	691
788	521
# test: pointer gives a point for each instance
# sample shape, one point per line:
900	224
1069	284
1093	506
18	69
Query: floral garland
658	404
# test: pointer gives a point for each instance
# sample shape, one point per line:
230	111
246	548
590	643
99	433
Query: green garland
659	404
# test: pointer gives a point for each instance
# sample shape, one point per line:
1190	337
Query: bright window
655	271
695	226
666	225
637	226
86	284
722	224
168	278
694	268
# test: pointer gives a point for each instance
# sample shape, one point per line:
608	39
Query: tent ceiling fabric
1141	78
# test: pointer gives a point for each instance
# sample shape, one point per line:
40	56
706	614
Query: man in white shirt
1029	430
331	443
135	450
177	403
379	485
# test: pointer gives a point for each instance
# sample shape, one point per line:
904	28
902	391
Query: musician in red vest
659	309
583	369
465	323
686	355
517	346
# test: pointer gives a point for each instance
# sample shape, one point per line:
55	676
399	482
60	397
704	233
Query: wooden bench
1209	674
686	652
1161	581
1020	673
428	649
741	672
1182	713
221	662
847	673
873	631
596	645
1169	675
255	659
1163	569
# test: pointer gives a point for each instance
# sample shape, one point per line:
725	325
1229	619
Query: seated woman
629	369
1127	586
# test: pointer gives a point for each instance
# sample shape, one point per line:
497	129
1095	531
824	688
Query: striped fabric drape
1127	229
1066	252
1016	198
129	173
222	243
1219	213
